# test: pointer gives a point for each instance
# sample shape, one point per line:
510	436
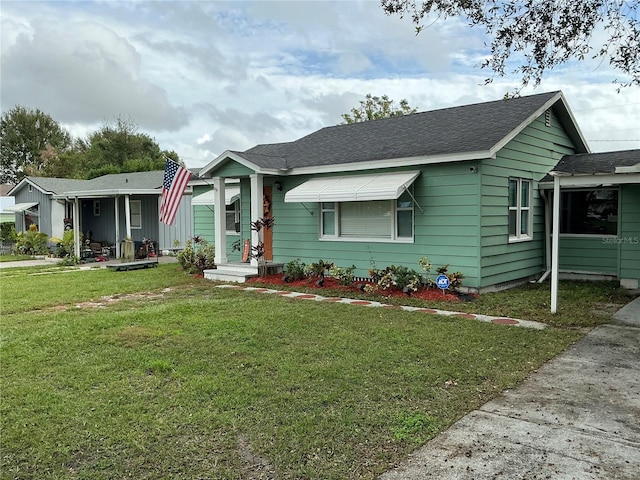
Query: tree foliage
119	147
25	135
546	33
32	143
374	108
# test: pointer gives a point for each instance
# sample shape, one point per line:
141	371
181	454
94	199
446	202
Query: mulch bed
277	282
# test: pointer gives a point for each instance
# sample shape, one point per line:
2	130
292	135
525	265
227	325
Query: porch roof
19	207
594	169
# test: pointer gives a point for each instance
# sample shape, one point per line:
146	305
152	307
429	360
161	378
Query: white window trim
131	208
394	238
522	237
236	214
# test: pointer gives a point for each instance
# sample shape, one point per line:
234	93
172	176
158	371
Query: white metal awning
19	207
355	188
231	194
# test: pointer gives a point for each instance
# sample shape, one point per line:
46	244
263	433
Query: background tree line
33	143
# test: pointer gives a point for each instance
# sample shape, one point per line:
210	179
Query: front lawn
154	374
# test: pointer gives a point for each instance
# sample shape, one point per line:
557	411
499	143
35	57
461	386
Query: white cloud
204	77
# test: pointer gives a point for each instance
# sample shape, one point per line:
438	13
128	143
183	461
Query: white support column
127	215
555	247
76	227
116	205
219	221
257	208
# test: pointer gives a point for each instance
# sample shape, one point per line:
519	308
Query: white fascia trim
109	193
389	163
228	155
631	169
594	180
516	131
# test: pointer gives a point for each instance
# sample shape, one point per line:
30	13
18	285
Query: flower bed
330	283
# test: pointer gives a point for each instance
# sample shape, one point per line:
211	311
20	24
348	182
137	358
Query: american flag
173	185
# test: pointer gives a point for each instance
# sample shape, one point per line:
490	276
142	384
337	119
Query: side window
520	215
232	218
136	214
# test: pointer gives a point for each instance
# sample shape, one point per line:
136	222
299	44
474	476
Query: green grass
15	258
580	303
201	382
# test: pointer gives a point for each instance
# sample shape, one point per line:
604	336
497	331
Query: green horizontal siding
446	232
629	237
588	254
232	169
530	155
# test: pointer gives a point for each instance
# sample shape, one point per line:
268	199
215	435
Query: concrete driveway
578	417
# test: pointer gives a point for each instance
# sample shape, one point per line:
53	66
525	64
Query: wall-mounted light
278	185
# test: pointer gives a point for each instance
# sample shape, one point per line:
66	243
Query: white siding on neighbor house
57	219
176	235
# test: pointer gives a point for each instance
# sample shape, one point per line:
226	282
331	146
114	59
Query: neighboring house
459	185
106	209
598	215
6	201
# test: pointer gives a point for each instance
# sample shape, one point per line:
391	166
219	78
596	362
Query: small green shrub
317	269
31	242
294	270
344	275
197	256
64	246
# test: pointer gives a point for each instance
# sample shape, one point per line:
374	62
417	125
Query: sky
202	77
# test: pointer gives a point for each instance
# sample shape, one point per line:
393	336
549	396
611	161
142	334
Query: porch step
238	272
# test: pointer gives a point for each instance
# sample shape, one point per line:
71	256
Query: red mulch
429	294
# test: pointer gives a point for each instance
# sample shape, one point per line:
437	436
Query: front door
267	233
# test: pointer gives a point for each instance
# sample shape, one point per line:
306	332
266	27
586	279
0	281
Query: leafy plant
401	277
197	256
294	270
64	245
318	269
344	275
31	242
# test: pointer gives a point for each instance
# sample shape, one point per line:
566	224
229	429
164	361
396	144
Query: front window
232	218
371	220
520	217
135	209
589	212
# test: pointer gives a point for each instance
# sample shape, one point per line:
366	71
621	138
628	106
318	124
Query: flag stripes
174	183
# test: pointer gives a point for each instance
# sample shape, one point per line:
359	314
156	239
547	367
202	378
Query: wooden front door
267	212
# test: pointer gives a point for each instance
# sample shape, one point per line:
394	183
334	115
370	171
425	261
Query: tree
374	108
547	33
118	147
24	136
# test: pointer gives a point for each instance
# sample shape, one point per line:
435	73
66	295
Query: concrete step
238	272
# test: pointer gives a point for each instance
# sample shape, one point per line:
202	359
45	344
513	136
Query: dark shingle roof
596	163
57	185
469	128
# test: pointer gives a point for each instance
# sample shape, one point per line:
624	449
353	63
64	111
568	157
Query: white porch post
76	226
257	208
127	215
116	204
219	221
555	247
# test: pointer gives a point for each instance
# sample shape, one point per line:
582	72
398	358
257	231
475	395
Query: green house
461	186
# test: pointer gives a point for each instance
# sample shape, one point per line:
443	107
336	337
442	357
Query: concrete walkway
52	261
578	417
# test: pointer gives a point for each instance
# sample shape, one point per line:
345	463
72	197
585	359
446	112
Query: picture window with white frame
520	212
377	220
